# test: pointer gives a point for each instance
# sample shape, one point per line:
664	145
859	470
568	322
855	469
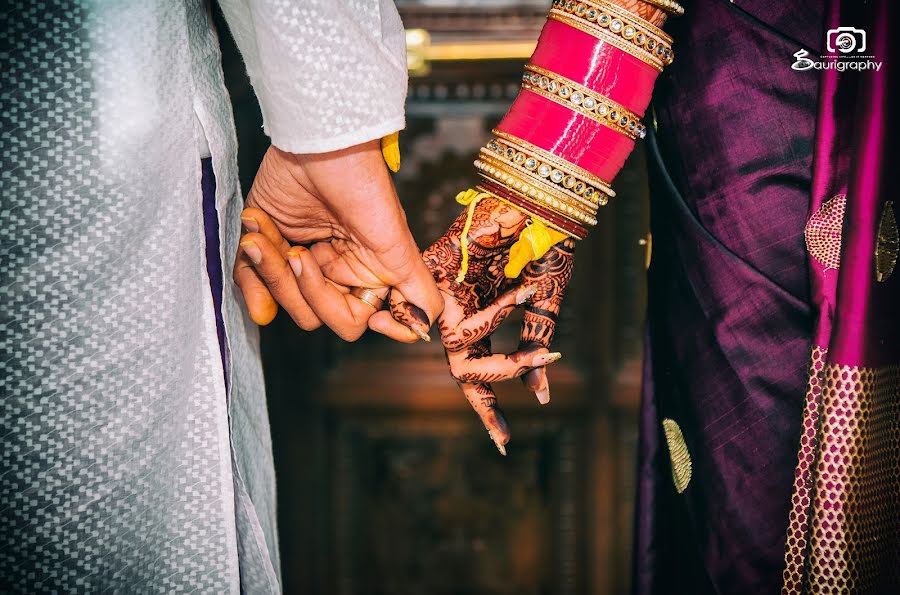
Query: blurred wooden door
388	484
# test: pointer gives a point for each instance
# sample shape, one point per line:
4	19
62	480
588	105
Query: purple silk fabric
213	256
729	316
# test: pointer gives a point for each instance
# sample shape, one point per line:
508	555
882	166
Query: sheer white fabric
124	465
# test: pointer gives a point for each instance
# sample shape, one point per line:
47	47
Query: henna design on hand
476	306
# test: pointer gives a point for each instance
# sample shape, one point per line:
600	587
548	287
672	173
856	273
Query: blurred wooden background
388	484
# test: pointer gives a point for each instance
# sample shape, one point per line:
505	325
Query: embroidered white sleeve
329	74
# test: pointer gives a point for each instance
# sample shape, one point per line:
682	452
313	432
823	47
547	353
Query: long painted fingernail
296	263
418	321
500	446
253	251
543	395
526	293
546	358
250	223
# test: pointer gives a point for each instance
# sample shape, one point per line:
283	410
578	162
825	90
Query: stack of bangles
578	116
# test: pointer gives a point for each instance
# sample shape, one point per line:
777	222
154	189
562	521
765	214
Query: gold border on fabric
843	527
887	244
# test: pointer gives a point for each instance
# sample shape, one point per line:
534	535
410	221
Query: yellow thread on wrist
469	198
534	241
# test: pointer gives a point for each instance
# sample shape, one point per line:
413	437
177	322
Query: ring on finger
368	296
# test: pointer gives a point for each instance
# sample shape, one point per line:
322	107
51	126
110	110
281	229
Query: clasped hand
318	225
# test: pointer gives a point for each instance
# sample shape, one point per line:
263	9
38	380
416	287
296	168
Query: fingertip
263	312
253	213
411	317
525	293
295	262
250	223
424	293
501	446
536	381
496	425
251	249
383	323
545	359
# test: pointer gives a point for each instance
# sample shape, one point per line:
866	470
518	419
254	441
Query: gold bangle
626	15
579	98
555	181
522	189
670	6
593	184
547	185
547	200
619	27
543	192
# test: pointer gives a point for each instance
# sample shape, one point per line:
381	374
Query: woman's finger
478	366
552	274
484	402
278	279
410	315
343	313
484	322
382	322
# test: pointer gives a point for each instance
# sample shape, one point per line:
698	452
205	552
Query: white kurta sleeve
328	74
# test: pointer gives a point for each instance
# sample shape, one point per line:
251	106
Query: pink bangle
597	65
568	135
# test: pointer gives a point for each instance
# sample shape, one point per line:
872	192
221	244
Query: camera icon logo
846	40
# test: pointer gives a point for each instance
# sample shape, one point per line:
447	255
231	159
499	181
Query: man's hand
342	205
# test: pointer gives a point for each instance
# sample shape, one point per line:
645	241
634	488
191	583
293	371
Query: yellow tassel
390	150
533	243
469	198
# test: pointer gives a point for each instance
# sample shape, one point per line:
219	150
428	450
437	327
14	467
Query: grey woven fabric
124	465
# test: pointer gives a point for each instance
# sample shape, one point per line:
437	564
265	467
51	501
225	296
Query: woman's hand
476	306
342	205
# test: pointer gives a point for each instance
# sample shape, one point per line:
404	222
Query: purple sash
844	528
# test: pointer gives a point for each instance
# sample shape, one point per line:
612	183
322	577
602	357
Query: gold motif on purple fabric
886	246
823	232
679	454
843	527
